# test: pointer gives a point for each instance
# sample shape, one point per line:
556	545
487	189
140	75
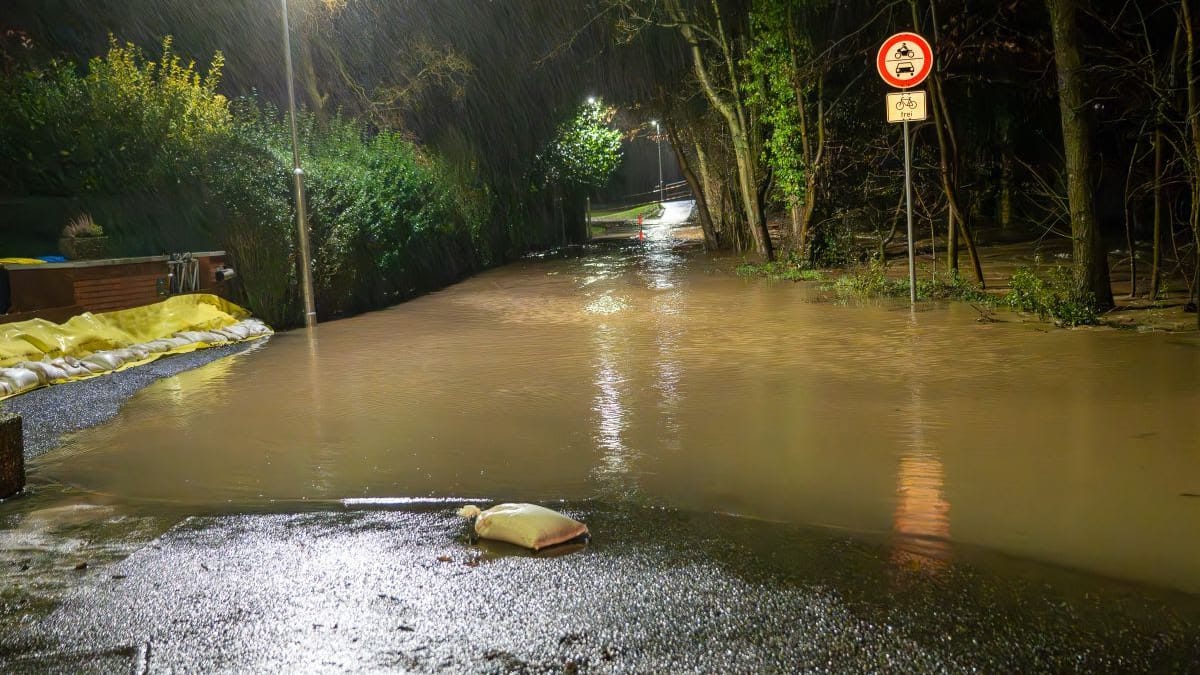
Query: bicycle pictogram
906	101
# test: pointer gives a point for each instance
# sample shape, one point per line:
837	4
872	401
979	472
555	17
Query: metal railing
670	192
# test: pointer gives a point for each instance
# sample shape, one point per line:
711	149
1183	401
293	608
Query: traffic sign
904	60
906	106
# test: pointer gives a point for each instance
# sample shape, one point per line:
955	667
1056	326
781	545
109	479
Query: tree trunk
1091	263
1006	175
745	159
798	233
685	166
948	161
712	196
1156	255
812	149
1193	109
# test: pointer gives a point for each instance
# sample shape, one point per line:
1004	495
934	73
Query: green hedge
166	163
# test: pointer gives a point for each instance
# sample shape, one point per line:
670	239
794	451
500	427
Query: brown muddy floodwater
653	375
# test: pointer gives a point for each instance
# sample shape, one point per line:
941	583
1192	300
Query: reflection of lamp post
658	139
310	309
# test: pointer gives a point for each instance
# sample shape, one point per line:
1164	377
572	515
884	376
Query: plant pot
83	248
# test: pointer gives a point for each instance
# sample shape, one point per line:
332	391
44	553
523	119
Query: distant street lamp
306	285
658	137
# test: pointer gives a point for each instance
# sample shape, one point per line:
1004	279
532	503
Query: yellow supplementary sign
906	106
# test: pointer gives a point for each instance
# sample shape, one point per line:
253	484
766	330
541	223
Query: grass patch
781	270
1052	296
648	210
872	282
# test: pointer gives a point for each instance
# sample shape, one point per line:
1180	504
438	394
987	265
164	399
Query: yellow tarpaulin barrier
21	261
91	344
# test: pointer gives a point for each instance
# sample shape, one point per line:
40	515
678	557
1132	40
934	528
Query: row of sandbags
28	375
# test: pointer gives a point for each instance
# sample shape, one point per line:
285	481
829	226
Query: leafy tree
586	150
786	83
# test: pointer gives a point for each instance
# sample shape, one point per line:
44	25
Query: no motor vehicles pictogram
904	60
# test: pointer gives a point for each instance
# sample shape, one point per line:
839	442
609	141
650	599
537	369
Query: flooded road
652	375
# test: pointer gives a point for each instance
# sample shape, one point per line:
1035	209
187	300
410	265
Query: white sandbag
70	365
177	342
190	335
254	327
123	354
20	379
132	353
212	338
156	346
234	332
40	374
95	367
46	371
102	362
6	388
527	525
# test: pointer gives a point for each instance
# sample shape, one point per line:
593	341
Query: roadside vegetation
1045	292
388	219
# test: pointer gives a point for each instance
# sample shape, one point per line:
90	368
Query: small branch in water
985	315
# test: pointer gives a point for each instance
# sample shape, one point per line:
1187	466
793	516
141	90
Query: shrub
249	194
82	226
956	288
1057	297
386	220
127	124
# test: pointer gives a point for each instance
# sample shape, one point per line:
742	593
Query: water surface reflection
650	373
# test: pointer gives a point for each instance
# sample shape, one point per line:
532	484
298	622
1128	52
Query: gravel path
53	411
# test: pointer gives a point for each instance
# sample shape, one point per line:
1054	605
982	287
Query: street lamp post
658	139
310	309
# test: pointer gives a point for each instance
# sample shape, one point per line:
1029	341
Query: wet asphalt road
654	591
49	413
345	590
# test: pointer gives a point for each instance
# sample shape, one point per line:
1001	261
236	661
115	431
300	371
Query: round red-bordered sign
904	60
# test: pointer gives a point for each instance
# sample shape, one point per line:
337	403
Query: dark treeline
1055	118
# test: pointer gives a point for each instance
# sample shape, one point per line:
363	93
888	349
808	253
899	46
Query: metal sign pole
904	61
912	268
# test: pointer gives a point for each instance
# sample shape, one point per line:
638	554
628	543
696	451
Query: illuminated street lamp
658	138
310	309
